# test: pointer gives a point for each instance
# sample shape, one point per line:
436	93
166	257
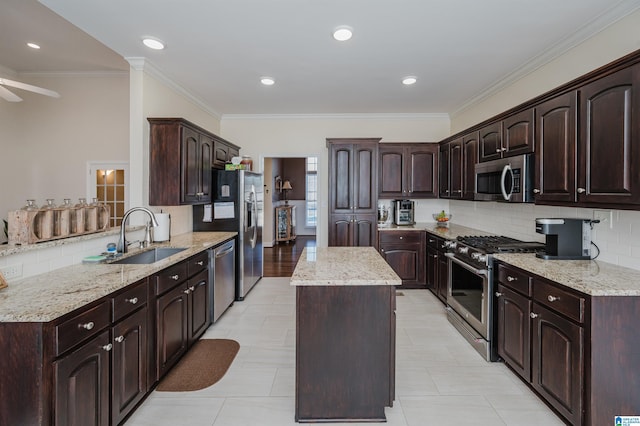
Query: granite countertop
336	266
591	277
451	232
45	297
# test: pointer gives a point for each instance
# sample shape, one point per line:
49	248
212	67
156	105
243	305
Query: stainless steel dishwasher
224	277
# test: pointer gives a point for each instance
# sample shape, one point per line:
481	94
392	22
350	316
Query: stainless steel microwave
507	179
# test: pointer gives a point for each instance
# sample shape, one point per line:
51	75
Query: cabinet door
191	171
490	142
171	328
469	160
82	385
130	364
432	269
557	362
422	171
514	331
517	135
198	305
340	179
220	155
555	171
443	172
365	230
609	135
405	260
365	178
443	276
455	168
204	160
392	172
340	230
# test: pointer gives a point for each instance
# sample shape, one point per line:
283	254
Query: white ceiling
217	50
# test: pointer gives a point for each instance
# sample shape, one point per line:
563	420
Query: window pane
312	191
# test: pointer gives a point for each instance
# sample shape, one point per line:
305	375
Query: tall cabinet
353	191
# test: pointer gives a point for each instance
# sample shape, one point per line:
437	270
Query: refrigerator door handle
254	220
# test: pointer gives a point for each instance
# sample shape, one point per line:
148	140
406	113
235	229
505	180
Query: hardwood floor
280	260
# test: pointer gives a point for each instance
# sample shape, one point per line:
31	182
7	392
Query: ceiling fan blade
7	95
29	87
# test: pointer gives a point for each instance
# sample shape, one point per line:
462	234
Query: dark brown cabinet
180	155
408	170
608	171
437	266
451	170
490	142
555	169
506	138
514	331
223	152
404	251
353	191
469	160
82	384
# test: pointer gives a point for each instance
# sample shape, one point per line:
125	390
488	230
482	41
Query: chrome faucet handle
147	234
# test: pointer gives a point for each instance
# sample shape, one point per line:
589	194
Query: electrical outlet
604	216
11	272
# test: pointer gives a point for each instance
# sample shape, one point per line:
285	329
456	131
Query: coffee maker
566	239
403	212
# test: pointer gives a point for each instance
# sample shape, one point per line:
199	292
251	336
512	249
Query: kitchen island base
345	353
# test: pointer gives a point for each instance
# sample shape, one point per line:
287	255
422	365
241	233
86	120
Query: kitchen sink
149	256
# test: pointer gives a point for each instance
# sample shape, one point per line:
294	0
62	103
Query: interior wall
610	44
305	136
295	171
47	142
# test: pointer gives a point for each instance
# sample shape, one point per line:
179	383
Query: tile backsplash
618	240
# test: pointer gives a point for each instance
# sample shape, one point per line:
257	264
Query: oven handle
476	271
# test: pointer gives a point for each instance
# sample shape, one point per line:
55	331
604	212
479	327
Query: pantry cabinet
353	191
408	170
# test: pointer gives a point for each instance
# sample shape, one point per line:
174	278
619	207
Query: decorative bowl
441	220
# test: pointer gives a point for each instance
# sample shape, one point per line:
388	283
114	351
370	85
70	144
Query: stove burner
499	244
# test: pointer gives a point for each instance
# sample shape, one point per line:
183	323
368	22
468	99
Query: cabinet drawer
559	300
400	237
167	279
514	279
133	298
197	263
82	326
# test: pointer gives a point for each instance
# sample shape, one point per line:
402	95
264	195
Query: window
108	184
312	192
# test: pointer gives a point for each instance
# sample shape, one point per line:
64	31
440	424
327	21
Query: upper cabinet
509	137
469	160
181	155
223	152
408	170
451	169
608	161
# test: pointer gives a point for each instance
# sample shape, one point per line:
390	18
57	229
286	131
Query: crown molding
144	65
588	30
361	116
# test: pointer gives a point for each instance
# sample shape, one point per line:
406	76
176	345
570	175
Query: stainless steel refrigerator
237	205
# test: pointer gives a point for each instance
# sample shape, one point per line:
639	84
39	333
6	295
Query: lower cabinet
349	230
404	251
437	267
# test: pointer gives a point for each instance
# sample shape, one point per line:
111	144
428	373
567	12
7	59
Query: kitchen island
345	335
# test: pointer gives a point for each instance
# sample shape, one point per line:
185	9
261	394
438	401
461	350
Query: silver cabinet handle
533	315
503	149
536	191
107	347
498	150
133	301
498	294
581	190
119	339
551	298
510	278
200	263
175	277
432	241
382	250
192	288
87	326
186	291
400	237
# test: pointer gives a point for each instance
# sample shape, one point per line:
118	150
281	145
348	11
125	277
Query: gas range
477	249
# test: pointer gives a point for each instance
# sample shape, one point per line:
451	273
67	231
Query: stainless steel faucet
122	242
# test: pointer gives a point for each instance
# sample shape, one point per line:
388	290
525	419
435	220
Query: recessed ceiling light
408	81
153	43
33	46
267	81
343	33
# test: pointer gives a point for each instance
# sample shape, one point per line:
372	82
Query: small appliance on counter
403	212
566	239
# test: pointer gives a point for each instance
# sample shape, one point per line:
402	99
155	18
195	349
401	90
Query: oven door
469	294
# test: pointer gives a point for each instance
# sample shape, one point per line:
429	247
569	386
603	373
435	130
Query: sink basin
149	256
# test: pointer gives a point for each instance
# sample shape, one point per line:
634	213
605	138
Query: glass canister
62	219
77	217
248	162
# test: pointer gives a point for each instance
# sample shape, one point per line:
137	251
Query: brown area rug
205	363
